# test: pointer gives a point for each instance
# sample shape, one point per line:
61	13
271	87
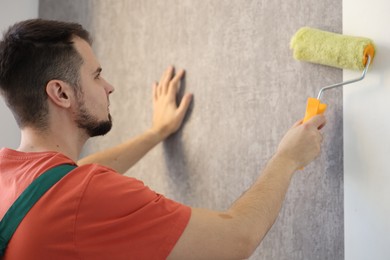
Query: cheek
94	94
100	99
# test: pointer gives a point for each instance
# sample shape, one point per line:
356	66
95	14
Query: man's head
35	52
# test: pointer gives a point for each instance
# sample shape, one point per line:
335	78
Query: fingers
174	84
317	121
165	78
167	83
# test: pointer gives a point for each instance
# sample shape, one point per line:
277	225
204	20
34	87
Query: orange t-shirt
91	213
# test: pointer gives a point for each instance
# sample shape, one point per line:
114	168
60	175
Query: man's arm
236	233
167	119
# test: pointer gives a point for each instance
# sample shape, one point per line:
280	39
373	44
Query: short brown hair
32	53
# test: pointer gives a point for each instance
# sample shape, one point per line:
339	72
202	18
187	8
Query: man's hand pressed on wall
167	115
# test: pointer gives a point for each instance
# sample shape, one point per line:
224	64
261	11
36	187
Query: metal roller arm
346	82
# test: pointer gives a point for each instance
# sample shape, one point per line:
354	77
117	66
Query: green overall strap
26	201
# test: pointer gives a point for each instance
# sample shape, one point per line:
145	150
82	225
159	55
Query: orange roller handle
314	107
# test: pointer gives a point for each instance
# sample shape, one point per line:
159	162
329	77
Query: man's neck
68	142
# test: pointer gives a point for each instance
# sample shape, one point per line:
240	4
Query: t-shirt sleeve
121	218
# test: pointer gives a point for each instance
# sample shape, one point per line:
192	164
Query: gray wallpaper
247	90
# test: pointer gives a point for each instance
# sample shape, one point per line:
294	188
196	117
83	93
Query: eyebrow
97	71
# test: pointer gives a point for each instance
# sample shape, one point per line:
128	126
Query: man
52	82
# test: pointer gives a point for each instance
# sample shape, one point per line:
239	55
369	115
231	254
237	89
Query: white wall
12	11
367	138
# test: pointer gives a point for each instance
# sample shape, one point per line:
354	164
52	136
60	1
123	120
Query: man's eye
97	76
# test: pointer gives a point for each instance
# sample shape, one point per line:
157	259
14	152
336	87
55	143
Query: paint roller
331	49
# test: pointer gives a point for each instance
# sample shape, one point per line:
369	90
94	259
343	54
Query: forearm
236	233
122	157
258	208
239	230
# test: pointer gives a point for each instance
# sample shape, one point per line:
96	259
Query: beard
91	124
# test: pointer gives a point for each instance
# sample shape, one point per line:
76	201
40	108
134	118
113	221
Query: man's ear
60	93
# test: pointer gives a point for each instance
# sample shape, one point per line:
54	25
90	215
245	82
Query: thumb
184	104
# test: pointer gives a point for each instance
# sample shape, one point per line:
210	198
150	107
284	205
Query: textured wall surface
247	90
